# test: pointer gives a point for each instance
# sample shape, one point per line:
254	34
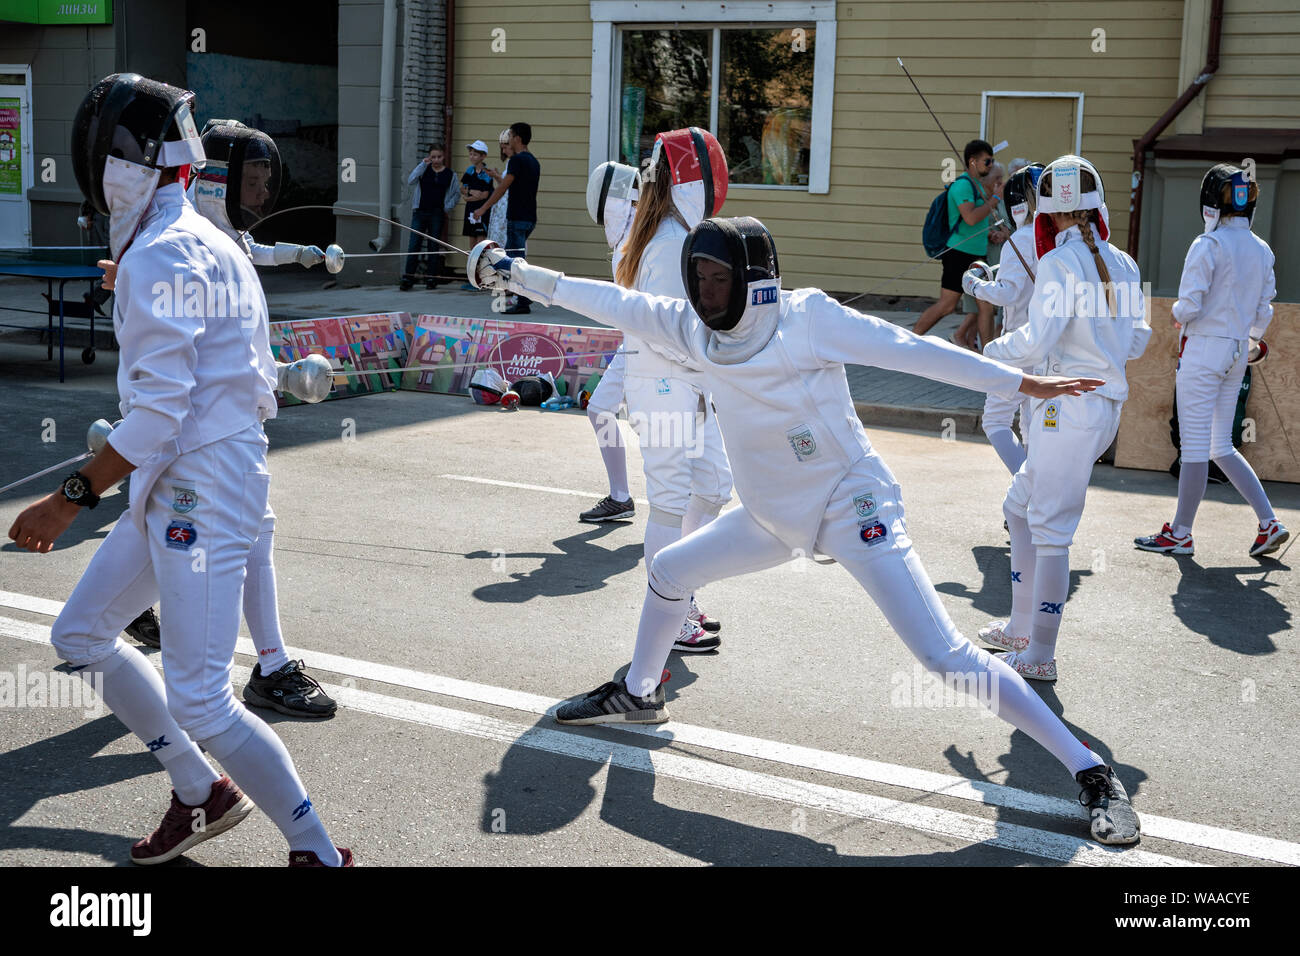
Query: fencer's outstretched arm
1012	281
1198	273
282	253
1048	316
162	353
840	335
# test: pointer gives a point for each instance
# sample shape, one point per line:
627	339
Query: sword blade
46	471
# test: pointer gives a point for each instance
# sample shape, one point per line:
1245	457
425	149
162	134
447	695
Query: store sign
57	12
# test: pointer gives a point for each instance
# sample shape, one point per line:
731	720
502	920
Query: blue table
51	272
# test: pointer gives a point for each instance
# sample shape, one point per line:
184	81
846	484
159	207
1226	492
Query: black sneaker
290	691
518	310
613	704
1114	821
406	285
146	629
609	510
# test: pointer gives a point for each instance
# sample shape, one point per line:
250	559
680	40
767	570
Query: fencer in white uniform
1087	317
612	191
196	379
1225	304
688	478
1011	289
248	158
805	470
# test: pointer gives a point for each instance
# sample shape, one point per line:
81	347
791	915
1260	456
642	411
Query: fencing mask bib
612	189
1213	205
127	130
698	168
1064	194
241	180
733	282
1021	191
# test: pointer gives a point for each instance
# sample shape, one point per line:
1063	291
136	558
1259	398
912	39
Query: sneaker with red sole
309	857
702	619
1166	542
1271	537
184	827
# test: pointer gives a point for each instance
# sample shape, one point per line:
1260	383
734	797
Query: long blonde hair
1085	219
654	203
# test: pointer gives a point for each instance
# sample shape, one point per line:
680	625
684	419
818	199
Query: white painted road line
1059	847
858	768
546	488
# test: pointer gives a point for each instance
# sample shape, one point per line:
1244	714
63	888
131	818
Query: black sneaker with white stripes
610	510
290	690
1114	821
146	629
612	703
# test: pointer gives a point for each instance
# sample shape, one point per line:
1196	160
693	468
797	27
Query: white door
15	156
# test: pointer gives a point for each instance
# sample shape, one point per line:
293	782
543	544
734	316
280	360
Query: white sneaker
695	640
1044	672
1271	537
995	633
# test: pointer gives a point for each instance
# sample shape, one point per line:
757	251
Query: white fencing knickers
683	456
194	561
1066	436
864	531
1209	376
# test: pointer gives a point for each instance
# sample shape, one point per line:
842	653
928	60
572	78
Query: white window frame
1027	94
607	16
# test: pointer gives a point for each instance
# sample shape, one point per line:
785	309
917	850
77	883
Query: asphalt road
447	612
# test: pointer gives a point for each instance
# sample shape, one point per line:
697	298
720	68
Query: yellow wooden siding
1258	82
886	153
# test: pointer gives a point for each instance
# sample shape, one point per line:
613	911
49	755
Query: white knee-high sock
1192	476
612	451
1008	447
661	622
1245	480
1024	559
1051	588
260	605
257	760
657	537
134	691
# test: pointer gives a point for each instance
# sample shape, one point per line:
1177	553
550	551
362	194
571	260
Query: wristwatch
76	488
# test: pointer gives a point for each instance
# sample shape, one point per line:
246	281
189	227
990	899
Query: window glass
765	104
666	84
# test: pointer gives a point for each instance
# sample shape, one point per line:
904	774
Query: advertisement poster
353	343
11	152
574	355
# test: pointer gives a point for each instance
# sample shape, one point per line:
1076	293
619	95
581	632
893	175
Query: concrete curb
964	421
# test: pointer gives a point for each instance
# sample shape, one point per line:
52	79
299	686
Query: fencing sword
96	436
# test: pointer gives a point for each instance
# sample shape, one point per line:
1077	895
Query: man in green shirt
970	210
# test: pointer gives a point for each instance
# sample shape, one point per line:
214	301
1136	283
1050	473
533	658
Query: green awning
57	12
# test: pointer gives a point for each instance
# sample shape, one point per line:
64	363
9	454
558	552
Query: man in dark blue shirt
432	180
521	178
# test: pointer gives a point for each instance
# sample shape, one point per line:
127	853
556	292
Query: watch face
75	488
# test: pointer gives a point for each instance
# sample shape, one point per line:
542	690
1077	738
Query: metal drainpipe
449	65
386	126
1140	146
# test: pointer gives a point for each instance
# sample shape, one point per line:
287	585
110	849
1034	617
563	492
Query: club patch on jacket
1050	415
181	535
802	442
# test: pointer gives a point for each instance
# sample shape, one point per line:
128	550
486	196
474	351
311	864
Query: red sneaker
1271	537
183	827
1166	542
309	857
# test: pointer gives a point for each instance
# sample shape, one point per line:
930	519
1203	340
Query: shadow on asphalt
580	565
1238	615
994	594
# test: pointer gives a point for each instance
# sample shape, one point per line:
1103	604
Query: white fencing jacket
660	273
1013	287
1228	283
1070	330
786	415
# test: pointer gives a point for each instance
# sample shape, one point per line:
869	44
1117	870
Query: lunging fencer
1224	307
194	391
1012	289
688	479
804	469
249	159
1087	318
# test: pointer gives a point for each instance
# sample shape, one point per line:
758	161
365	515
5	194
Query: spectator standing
981	316
476	187
432	180
969	210
520	181
497	227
